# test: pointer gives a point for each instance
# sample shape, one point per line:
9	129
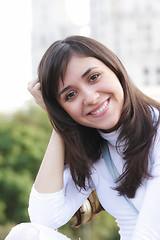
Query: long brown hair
83	144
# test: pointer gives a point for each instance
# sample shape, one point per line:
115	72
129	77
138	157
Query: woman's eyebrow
87	71
63	90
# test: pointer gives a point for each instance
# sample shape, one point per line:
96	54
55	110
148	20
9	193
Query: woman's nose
90	97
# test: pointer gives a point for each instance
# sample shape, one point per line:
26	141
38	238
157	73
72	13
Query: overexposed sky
15	53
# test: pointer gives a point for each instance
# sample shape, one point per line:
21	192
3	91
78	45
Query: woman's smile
100	110
91	93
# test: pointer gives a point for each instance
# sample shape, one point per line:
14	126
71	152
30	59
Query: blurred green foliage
23	139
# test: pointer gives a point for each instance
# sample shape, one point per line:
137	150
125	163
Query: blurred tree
23	140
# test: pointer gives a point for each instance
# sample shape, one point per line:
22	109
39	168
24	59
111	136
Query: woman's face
91	93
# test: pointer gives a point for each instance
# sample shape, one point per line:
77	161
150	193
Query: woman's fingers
37	86
34	87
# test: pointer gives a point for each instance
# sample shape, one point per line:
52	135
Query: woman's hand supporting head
34	87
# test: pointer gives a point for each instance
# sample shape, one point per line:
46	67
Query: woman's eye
94	77
70	95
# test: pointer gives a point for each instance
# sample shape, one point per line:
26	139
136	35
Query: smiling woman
106	138
91	94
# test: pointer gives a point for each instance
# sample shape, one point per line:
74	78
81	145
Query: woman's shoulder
155	115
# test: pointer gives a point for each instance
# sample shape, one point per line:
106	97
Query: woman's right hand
34	87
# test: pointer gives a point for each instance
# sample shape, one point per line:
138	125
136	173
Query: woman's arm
56	209
54	197
50	176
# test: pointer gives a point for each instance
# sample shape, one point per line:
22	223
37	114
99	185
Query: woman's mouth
101	109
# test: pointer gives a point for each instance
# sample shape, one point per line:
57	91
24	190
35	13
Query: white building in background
53	20
128	27
132	30
48	24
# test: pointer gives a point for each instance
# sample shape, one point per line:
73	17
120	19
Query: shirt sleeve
56	209
148	223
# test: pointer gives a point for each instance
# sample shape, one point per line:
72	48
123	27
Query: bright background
15	53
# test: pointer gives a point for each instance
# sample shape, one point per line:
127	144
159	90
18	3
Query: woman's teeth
100	109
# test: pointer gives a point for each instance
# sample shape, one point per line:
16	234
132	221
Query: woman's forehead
80	64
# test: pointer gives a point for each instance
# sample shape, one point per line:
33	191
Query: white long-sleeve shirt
56	209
